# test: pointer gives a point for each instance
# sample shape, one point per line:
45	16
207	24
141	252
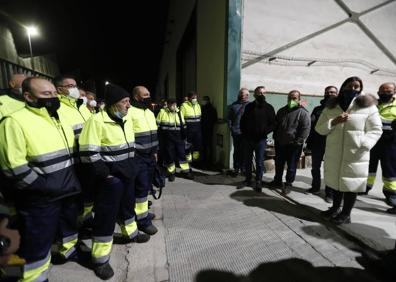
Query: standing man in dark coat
317	144
257	122
293	126
208	121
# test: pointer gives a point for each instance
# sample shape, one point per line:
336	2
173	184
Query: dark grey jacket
293	126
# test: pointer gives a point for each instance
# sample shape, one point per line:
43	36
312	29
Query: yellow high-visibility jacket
10	104
77	114
192	115
107	146
170	125
145	128
36	151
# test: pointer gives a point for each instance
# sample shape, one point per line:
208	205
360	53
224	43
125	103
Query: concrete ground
210	231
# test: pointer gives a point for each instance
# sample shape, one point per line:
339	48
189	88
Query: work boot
330	213
104	271
314	191
149	229
151	215
171	177
188	175
140	238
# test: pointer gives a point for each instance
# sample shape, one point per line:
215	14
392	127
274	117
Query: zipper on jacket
62	134
123	130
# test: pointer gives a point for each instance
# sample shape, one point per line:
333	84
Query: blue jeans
238	142
258	147
289	154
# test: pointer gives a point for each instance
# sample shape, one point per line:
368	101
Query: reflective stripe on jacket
145	128
76	115
107	146
192	115
36	151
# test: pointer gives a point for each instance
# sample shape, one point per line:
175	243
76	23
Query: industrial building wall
210	67
307	45
10	62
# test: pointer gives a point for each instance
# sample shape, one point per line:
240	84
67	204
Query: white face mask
102	106
85	100
92	103
74	93
194	101
172	108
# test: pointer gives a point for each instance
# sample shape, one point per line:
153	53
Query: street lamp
31	31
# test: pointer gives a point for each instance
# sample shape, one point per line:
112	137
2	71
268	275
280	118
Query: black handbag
158	181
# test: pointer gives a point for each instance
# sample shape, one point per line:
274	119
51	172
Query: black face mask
260	99
51	104
147	102
385	97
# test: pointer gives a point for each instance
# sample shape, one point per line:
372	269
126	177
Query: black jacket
258	120
315	140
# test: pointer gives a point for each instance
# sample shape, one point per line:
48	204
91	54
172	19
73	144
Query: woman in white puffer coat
353	126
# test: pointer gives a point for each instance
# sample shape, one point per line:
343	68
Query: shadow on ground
294	269
273	204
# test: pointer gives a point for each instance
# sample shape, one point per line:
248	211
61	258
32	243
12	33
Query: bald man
146	142
385	149
13	99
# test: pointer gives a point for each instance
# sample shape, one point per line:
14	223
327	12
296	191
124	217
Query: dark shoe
391	210
140	238
259	187
188	175
286	189
149	203
341	219
150	229
314	191
234	173
275	184
171	177
330	213
104	271
328	199
151	216
247	182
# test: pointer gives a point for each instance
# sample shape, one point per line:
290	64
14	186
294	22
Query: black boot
345	215
335	209
104	271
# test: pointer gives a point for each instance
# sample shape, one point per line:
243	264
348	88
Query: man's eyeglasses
69	86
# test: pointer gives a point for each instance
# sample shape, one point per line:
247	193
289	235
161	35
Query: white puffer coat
348	144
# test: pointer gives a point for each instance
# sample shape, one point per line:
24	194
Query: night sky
119	41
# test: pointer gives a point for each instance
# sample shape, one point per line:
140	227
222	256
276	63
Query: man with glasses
317	144
77	113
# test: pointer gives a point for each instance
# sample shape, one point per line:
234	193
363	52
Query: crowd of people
350	131
73	167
